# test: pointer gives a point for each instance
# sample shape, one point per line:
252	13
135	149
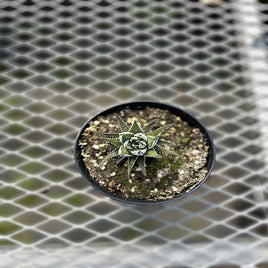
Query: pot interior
185	116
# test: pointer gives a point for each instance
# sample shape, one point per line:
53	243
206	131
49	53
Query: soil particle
166	177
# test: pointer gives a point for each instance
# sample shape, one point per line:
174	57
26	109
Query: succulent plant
136	144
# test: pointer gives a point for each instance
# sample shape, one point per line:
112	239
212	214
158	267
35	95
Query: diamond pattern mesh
63	61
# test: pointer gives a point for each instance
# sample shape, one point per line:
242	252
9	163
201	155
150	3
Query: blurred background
63	61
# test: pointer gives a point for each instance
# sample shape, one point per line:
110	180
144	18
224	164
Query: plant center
137	145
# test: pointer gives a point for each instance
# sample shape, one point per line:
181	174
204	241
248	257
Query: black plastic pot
185	116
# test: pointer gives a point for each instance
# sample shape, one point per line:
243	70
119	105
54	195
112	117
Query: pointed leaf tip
158	131
135	128
149	126
111	135
131	162
142	165
123	125
166	151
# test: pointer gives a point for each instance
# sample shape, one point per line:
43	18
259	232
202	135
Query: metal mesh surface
263	9
64	61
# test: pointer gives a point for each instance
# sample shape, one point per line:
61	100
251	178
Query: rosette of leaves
137	144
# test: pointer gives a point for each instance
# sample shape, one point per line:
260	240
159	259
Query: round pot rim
211	158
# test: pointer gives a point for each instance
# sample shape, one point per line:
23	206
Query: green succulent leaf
152	153
111	135
142	165
152	141
158	131
123	151
120	158
149	126
163	142
135	128
164	150
123	125
109	156
115	141
124	136
131	162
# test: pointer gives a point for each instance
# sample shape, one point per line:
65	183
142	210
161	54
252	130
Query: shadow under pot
144	153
